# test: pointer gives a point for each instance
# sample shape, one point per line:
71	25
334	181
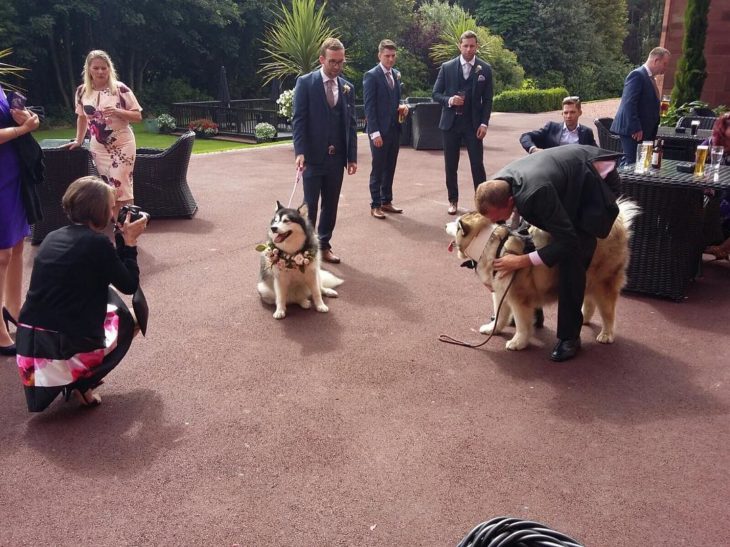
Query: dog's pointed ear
303	210
279	206
463	227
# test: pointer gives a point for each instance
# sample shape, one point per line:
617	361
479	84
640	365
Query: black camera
135	213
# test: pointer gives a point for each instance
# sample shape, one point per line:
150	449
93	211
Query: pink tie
329	88
389	77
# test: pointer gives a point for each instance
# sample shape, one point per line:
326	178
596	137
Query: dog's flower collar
276	258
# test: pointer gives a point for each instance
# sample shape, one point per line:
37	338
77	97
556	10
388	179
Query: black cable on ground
514	532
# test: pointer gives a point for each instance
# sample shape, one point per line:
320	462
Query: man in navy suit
637	118
381	87
555	134
464	88
325	142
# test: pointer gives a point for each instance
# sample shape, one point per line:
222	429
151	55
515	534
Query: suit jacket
310	117
381	103
560	191
549	136
639	108
32	173
482	91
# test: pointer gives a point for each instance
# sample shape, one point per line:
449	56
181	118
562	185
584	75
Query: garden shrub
530	100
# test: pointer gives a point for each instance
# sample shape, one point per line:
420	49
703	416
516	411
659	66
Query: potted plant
204	128
264	132
166	123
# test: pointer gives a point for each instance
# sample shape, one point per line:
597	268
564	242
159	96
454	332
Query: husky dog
478	239
290	264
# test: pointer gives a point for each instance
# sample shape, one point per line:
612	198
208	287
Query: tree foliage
691	68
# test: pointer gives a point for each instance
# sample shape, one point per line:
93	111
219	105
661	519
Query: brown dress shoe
329	256
390	208
453	206
376	212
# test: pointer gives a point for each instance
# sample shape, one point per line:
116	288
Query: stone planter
151	125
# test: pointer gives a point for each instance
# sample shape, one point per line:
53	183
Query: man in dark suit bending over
555	134
325	143
568	191
464	88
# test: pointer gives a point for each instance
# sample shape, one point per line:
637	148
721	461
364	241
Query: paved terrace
358	427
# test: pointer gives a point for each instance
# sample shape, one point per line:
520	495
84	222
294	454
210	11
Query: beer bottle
658	153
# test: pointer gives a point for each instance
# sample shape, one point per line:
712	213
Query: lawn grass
151	140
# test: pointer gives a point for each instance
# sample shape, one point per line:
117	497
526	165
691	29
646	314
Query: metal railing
242	116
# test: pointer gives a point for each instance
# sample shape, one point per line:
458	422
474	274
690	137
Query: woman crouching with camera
74	328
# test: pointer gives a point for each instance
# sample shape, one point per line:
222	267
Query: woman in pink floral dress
105	106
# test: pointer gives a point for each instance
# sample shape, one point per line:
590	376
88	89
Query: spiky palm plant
448	44
6	69
291	44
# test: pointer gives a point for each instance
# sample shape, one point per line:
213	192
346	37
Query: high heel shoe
7	318
8	351
718	252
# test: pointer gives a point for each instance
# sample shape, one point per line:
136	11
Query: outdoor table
681	146
666	247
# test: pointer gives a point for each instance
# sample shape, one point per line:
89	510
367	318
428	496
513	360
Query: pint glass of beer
664	104
700	159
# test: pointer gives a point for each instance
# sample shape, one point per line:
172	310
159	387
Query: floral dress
113	147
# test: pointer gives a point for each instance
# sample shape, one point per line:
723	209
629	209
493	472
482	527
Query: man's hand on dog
510	263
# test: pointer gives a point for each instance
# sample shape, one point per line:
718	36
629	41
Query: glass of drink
716	153
666	99
695	126
402	112
700	159
643	156
459	108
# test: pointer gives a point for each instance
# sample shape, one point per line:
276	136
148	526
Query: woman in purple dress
13	223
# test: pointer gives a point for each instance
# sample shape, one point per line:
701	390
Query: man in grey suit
637	118
464	88
381	87
325	142
554	134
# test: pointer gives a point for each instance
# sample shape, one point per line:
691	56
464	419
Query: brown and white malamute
477	238
290	264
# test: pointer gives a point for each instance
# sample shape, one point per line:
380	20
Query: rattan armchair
160	180
606	139
426	134
63	166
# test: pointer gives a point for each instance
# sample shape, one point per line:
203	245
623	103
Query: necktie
467	71
330	92
389	77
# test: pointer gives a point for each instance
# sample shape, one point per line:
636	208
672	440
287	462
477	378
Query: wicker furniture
667	242
606	139
63	166
706	122
681	146
426	134
160	180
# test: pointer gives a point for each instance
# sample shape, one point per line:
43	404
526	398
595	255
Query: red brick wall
717	48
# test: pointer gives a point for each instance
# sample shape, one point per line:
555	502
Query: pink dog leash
297	178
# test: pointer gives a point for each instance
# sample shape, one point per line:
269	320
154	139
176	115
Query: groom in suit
381	89
554	134
637	118
464	89
325	142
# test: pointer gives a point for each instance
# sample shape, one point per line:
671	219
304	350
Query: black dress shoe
565	349
8	351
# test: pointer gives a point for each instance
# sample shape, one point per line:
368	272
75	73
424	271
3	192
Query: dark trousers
324	181
572	287
462	128
383	168
629	146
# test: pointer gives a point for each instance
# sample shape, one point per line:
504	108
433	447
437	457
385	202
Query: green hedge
530	100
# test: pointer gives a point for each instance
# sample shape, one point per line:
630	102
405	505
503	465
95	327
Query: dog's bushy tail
329	280
628	211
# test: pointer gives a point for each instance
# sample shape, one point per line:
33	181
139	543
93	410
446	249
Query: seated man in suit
555	134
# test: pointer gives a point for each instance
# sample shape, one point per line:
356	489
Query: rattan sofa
160	180
62	167
426	134
606	139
